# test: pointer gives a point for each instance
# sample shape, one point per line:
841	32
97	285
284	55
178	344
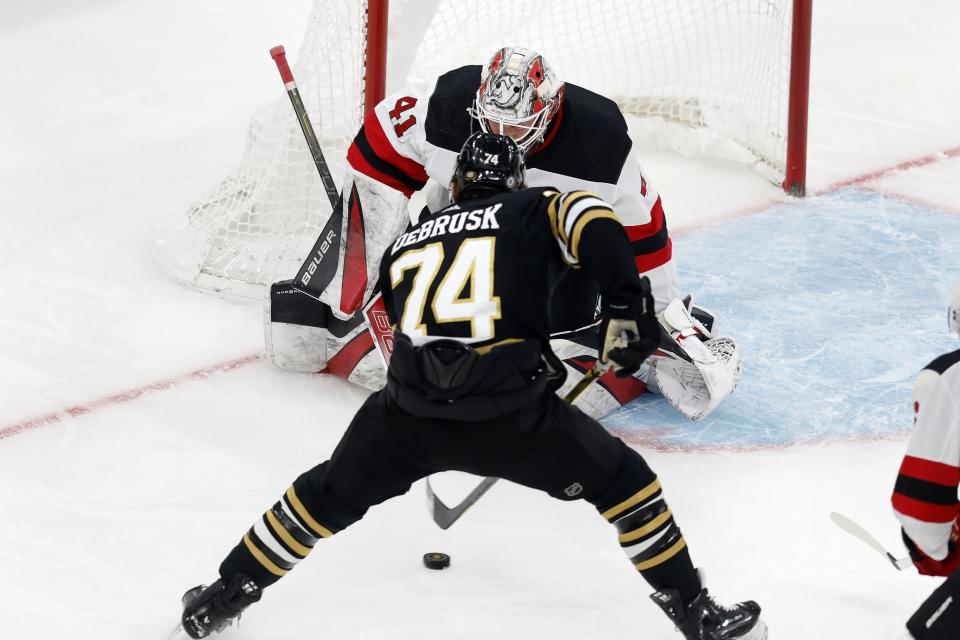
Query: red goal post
719	74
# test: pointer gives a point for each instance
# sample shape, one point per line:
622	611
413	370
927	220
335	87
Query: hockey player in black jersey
573	139
925	494
471	387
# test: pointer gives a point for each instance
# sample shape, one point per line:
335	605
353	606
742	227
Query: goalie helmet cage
734	71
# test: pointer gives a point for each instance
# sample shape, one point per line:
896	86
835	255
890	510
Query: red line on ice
911	199
903	166
856	181
125	396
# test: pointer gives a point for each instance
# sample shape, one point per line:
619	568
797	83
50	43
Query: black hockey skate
208	610
704	619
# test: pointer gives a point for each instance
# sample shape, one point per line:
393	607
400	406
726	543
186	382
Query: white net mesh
720	67
259	224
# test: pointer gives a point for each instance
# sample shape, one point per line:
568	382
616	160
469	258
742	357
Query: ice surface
837	301
115	115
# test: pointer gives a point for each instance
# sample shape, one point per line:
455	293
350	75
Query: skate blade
178	633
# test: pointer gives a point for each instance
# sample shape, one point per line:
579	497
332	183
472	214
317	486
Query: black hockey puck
436	560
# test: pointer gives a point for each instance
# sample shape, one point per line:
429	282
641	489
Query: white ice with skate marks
115	114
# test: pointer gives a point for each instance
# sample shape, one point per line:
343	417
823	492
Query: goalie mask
518	96
953	310
488	164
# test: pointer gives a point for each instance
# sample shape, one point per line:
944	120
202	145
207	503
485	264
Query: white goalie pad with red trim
373	216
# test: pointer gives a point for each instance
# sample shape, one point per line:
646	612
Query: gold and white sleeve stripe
569	215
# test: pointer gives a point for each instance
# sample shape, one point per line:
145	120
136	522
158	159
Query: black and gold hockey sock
652	540
281	538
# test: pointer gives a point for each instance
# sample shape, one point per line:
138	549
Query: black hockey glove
630	331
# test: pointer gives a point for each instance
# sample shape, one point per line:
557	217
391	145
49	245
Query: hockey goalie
574	141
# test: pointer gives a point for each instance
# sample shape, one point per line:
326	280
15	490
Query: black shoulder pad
944	362
448	124
591	142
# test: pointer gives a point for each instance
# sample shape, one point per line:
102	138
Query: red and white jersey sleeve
640	209
391	146
385	167
925	495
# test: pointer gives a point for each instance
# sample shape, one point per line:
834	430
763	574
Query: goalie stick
321	263
861	534
445	516
280	58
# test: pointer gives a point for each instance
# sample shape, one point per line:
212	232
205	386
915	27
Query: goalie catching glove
693	369
630	331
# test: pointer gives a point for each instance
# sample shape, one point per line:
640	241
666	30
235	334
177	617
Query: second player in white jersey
925	495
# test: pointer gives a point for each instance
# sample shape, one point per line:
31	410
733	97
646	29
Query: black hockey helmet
487	164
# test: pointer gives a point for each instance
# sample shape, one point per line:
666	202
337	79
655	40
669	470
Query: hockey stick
316	272
445	516
861	534
280	58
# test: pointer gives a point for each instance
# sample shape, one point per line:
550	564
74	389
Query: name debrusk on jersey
451	223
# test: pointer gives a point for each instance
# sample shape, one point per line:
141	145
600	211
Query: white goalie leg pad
305	348
384	214
595	401
294	347
702	372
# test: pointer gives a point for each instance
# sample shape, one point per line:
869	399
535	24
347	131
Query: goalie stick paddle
445	516
321	263
861	534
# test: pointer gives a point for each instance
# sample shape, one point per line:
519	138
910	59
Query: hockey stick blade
864	536
445	516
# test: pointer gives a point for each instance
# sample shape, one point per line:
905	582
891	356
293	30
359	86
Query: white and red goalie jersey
925	495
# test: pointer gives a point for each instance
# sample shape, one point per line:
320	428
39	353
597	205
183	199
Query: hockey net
717	68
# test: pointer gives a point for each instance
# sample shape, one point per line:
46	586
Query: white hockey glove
630	332
693	370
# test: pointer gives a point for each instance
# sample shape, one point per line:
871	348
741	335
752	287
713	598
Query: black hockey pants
546	445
